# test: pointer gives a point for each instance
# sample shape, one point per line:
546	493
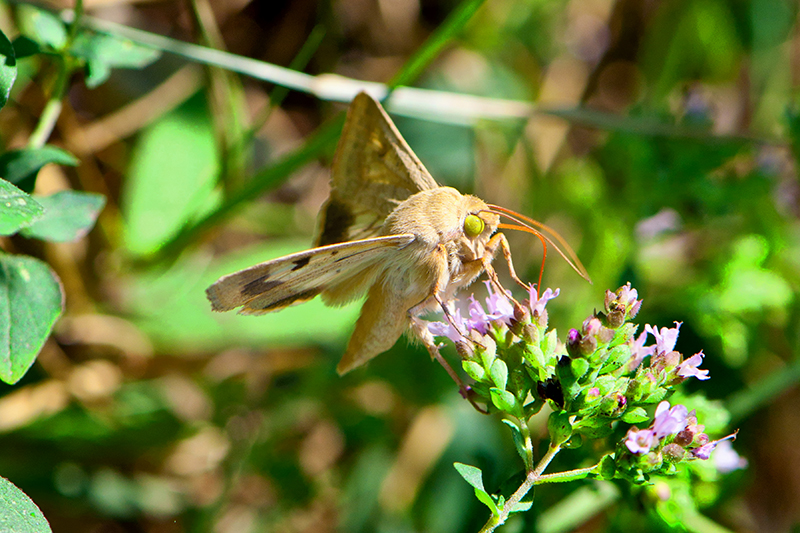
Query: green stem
531	479
52	109
47	122
569	475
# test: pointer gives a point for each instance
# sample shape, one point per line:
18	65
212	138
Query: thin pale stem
531	479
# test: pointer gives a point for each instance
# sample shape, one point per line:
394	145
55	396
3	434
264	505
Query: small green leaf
8	68
519	441
18	513
42	26
474	370
499	373
635	415
487	500
17	209
505	401
25	47
21	166
105	52
559	427
30	302
520	507
68	215
471	474
474	477
579	367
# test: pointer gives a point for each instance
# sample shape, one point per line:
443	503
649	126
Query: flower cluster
602	374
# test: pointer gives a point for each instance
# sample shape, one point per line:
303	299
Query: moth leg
420	329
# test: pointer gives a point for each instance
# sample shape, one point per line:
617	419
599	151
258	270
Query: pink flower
666	338
689	368
639	441
669	421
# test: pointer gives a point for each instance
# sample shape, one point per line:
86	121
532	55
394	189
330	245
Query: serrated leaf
68	215
104	52
499	373
42	26
8	68
20	167
17	209
18	513
471	474
31	301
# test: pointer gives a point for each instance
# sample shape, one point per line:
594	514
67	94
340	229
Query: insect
388	229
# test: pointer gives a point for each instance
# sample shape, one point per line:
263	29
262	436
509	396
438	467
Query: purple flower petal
669	421
537	304
689	368
666	338
639	441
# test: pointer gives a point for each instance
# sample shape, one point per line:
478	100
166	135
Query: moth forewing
297	278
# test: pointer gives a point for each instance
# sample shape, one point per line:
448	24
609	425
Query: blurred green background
665	152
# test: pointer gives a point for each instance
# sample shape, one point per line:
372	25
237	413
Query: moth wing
299	277
374	169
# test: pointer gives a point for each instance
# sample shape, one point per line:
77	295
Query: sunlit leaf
18	513
171	175
68	215
42	26
17	209
30	302
103	53
20	167
8	68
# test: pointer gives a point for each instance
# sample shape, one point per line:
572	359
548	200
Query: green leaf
474	370
474	477
104	52
8	68
68	215
42	26
559	427
30	302
172	175
505	401
17	209
471	474
25	47
635	415
18	513
20	167
519	441
499	373
520	507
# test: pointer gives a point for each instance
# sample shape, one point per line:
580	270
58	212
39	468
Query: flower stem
530	480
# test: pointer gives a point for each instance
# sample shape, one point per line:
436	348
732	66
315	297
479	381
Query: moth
388	229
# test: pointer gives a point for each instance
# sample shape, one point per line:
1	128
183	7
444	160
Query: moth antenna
546	235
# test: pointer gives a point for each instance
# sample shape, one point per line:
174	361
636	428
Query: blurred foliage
673	165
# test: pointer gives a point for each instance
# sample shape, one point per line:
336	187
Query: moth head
477	226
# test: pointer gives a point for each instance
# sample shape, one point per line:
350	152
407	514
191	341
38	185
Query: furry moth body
388	229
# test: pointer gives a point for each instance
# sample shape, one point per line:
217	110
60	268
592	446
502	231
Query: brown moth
388	229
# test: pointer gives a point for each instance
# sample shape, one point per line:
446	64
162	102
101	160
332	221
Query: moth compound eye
473	225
